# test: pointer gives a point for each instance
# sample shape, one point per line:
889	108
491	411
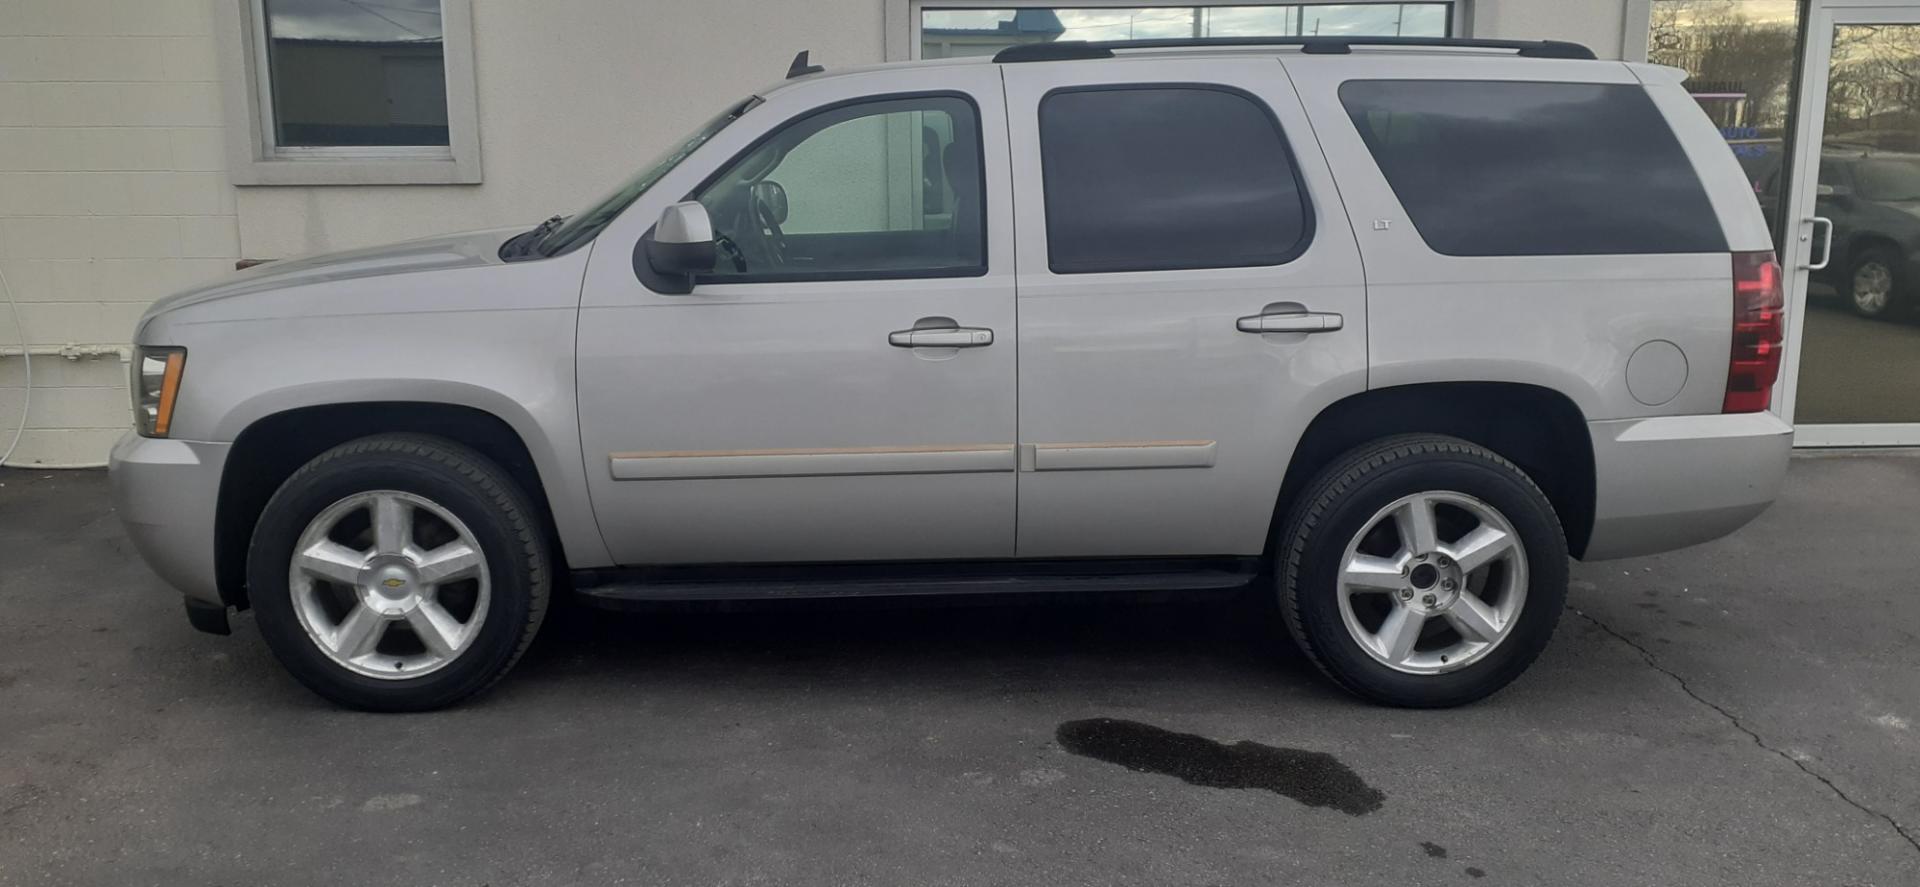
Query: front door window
887	188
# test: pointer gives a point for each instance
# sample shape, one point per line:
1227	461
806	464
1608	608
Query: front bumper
166	493
1673	481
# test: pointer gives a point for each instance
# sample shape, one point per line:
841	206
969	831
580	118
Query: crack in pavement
1738	725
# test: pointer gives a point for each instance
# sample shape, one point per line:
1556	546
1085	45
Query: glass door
1852	237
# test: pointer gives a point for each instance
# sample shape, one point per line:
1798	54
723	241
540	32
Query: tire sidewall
332	478
1316	577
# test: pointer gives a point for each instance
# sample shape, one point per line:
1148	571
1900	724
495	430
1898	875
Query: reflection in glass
1738	55
356	74
1861	346
950	33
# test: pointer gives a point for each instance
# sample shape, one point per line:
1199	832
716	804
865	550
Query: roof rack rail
1067	50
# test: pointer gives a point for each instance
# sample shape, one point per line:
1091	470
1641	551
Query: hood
464	250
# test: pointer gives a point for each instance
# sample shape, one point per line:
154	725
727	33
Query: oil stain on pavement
1316	779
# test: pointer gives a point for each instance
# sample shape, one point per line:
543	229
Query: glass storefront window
1739	57
950	33
1856	357
1860	352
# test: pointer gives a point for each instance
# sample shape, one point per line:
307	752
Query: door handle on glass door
1297	322
1826	248
947	337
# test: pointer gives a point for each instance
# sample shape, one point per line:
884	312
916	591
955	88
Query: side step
731	583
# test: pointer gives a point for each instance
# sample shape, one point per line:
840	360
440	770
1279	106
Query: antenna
800	68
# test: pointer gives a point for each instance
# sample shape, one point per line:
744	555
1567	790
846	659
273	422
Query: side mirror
678	247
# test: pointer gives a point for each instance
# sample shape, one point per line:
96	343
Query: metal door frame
1799	241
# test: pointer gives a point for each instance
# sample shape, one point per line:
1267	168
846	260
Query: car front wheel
398	573
1422	571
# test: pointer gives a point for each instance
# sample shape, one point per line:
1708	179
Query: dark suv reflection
1873	198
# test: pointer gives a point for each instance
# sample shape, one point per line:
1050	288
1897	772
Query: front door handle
1296	322
942	337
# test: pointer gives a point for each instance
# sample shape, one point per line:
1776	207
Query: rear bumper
166	493
1673	481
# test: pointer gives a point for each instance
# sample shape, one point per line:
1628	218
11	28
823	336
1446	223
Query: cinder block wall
112	190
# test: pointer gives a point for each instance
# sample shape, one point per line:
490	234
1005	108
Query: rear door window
1504	168
1162	177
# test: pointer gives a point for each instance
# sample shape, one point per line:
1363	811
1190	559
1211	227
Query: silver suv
1380	330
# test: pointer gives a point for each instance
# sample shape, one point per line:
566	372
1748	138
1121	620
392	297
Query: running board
728	583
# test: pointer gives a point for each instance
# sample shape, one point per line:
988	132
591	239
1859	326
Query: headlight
156	382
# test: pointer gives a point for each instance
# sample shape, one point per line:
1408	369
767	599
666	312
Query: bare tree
1723	50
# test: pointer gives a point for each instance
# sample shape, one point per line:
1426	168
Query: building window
352	92
965	29
343	74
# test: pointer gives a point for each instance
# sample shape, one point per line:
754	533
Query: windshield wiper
541	231
524	244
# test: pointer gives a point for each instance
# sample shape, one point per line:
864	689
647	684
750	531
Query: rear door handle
1297	322
948	337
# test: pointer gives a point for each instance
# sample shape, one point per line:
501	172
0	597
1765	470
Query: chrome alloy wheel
1872	287
389	584
1433	582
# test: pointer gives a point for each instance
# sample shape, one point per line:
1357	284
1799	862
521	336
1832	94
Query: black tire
1885	258
465	483
1338	504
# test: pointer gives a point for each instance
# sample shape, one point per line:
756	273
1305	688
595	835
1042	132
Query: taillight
1758	306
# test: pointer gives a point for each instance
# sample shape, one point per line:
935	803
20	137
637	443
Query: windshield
588	222
1883	179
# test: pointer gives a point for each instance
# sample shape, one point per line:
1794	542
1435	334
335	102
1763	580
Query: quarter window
886	188
1154	178
1499	168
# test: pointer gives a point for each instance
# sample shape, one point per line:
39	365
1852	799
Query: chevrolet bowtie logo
394	583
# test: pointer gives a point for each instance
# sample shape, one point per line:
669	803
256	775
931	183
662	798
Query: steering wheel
730	251
768	202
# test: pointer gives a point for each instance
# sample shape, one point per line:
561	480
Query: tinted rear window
1497	168
1154	178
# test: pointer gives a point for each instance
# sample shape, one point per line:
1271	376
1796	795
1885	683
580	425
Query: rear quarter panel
1569	323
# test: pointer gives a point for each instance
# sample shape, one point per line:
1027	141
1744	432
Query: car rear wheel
1422	571
398	573
1873	285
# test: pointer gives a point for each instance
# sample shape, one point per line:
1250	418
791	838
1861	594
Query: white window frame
902	17
254	159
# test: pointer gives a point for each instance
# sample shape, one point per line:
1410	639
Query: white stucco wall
113	188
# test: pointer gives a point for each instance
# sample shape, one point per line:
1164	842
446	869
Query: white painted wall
112	182
112	192
1596	23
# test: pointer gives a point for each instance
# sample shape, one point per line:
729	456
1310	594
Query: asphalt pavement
1743	713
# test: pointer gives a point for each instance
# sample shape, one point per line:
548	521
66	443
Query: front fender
498	339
